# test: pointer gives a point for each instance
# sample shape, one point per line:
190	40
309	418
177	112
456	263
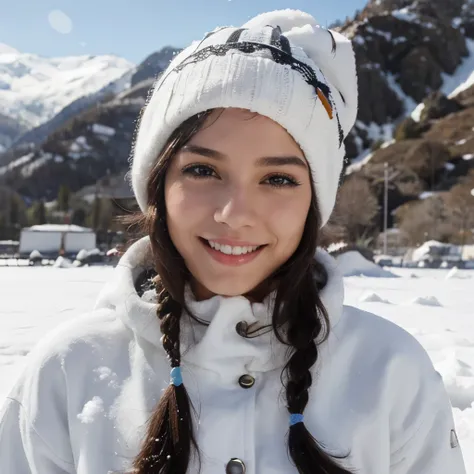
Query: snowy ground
436	306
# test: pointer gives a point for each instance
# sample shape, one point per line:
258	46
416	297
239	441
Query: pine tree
14	214
64	195
38	213
79	217
96	212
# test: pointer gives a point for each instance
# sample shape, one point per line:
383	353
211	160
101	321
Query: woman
235	167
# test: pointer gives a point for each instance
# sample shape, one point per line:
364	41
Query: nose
237	209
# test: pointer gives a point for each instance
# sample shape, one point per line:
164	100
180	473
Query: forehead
240	129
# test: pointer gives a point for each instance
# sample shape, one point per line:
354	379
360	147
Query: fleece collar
216	344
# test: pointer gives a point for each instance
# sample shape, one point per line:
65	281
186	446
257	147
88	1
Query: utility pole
385	209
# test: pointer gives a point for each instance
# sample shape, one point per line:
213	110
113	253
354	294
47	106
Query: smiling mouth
236	250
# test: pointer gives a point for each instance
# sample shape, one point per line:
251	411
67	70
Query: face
237	197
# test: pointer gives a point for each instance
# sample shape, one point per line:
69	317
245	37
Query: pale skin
241	182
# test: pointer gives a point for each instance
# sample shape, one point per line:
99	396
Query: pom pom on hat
279	64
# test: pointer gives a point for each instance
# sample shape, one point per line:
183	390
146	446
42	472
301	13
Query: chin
228	286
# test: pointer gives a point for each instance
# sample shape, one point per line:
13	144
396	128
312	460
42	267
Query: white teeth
228	250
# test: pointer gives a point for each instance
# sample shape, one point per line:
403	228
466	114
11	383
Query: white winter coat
83	402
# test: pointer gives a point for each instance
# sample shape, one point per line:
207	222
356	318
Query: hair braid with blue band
176	377
296	418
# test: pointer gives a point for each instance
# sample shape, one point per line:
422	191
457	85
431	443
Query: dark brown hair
301	323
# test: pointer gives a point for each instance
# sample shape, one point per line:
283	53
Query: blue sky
135	28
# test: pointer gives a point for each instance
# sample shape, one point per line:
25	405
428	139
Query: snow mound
453	273
354	264
35	255
426	301
373	298
84	254
458	377
62	262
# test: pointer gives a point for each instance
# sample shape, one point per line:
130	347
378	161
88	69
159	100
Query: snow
82	141
83	254
354	264
404	14
359	40
463	77
374	133
426	301
28	169
422	252
416	114
386	34
446	332
35	255
103	130
373	298
5	49
91	410
79	148
62	262
15	163
453	273
426	195
409	104
359	162
34	88
59	228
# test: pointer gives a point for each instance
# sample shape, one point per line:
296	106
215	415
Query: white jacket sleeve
34	436
423	435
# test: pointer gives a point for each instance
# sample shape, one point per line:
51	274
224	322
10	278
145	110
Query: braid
170	438
302	332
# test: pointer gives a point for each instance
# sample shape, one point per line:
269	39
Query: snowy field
436	306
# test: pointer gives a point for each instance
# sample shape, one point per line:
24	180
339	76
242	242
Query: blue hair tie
296	418
176	377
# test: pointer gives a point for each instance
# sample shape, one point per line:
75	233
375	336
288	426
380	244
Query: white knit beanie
281	65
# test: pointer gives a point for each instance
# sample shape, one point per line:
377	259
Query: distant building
56	239
9	247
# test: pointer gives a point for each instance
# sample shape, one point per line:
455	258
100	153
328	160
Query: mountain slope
33	89
405	50
89	140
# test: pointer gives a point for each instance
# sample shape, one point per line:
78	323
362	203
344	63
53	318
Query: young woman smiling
235	167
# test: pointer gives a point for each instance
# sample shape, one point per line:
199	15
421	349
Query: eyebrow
263	161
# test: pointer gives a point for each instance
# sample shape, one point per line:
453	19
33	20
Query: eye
199	171
281	180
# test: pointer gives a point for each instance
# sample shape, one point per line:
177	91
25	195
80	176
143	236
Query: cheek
287	217
185	207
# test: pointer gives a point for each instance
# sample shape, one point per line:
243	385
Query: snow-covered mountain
33	89
408	54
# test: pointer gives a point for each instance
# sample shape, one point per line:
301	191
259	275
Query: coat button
235	466
242	328
246	381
